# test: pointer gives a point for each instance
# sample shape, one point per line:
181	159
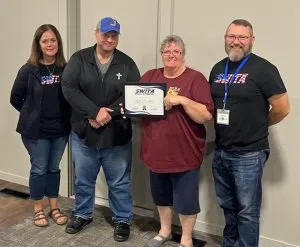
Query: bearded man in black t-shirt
249	96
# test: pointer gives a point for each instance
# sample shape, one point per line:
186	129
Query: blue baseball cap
109	24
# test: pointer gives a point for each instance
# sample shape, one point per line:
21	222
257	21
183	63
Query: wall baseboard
136	210
270	242
208	228
218	230
14	178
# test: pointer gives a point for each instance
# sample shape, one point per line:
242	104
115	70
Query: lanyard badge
223	114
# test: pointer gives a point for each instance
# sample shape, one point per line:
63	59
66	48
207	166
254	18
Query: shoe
158	240
76	224
121	232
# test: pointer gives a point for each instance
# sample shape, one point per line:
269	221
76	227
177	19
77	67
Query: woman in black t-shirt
44	120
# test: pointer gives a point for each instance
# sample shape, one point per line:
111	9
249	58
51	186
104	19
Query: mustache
236	46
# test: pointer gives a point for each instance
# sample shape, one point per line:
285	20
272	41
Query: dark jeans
238	187
116	165
45	156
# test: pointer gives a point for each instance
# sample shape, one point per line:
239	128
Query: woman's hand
172	100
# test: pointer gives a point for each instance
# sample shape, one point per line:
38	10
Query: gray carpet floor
98	233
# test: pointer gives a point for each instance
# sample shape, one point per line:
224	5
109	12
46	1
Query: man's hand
103	116
94	124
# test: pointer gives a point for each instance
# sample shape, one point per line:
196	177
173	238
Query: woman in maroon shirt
172	147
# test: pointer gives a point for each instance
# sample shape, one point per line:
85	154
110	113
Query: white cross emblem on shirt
119	75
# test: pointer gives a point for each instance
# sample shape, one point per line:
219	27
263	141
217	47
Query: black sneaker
121	232
76	224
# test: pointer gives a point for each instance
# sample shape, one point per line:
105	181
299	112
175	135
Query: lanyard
227	85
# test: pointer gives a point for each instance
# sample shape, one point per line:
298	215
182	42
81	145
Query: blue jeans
116	164
45	156
238	187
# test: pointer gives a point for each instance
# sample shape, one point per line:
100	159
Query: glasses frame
174	53
240	38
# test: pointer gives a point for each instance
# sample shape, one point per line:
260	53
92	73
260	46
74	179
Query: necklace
50	72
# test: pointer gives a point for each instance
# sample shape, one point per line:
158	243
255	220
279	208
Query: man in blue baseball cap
93	83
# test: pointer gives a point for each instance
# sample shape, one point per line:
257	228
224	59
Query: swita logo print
144	91
239	79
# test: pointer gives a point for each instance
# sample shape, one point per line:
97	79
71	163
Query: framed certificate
144	99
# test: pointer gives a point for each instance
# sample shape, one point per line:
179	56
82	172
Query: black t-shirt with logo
247	102
51	125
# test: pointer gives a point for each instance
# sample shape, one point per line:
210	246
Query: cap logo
114	23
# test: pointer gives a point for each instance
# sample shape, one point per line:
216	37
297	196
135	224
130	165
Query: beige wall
144	24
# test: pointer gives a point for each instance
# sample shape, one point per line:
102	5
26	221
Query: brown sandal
55	214
40	215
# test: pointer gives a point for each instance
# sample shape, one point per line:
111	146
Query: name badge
223	116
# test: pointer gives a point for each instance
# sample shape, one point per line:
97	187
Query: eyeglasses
240	38
175	53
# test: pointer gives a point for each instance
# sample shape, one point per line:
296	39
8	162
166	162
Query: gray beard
235	57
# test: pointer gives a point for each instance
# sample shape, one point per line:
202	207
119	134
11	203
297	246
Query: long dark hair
36	54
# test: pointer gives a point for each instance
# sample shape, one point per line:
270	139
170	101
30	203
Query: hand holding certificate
144	99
